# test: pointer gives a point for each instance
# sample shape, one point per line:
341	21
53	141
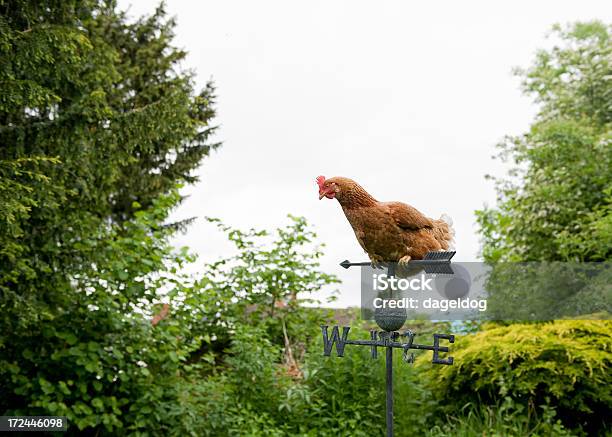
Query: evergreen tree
98	125
98	108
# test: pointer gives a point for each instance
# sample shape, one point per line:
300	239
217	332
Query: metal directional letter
328	343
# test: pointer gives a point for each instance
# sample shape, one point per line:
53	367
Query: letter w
328	343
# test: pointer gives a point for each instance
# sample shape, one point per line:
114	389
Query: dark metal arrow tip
346	263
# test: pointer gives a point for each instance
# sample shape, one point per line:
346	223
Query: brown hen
387	231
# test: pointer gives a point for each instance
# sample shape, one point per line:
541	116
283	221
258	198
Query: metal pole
389	364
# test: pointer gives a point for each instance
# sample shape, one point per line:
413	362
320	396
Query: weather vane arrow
433	262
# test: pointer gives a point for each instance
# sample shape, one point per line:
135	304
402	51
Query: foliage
266	283
97	111
88	350
342	392
540	291
561	365
504	419
95	356
97	125
556	203
241	399
104	94
18	179
162	120
572	81
334	396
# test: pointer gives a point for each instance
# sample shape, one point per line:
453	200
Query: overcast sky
407	98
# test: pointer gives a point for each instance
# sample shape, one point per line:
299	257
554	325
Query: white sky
407	98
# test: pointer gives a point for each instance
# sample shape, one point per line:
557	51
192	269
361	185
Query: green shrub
505	419
347	395
335	396
244	398
563	365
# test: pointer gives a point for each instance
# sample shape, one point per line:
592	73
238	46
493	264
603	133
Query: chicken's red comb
320	180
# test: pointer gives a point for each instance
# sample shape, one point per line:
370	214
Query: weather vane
398	236
391	321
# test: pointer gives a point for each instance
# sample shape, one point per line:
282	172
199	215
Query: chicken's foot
376	261
403	261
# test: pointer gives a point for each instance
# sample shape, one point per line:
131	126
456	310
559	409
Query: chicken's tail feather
447	219
444	232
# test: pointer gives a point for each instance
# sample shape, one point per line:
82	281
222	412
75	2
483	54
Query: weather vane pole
391	321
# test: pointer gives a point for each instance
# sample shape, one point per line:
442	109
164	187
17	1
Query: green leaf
98	404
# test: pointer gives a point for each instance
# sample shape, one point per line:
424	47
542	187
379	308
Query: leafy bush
255	395
243	397
348	394
89	350
563	365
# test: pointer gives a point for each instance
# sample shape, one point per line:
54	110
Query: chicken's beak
321	194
